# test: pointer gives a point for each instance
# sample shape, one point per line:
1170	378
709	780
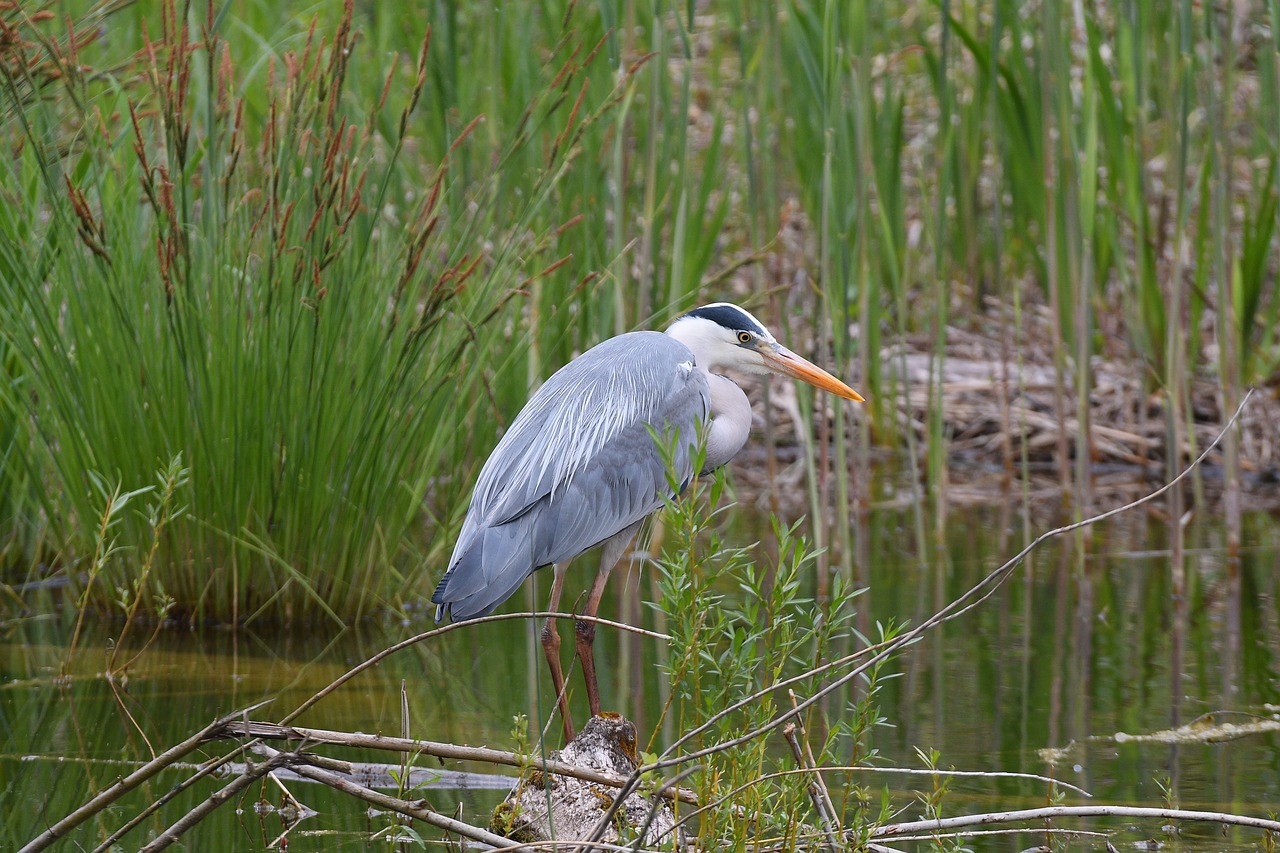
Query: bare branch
202	771
1049	812
822	795
413	810
418	810
216	799
860	769
128	783
272	731
1037	830
825	816
670	785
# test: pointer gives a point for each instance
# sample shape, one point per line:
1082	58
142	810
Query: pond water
1081	643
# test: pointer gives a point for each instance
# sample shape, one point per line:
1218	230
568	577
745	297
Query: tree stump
549	807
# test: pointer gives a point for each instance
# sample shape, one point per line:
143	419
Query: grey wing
577	466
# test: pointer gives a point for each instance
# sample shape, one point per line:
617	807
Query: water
1076	646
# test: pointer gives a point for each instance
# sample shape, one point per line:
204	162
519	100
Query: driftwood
891	830
485	755
550	807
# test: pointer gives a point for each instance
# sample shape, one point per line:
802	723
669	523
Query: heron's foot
550	637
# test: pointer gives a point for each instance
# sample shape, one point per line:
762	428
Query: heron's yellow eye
744	337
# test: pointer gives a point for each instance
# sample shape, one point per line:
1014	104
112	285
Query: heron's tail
437	598
484	574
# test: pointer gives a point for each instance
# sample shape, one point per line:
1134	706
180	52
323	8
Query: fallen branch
721	800
202	771
385	801
1038	830
1050	812
273	731
128	783
1203	729
218	798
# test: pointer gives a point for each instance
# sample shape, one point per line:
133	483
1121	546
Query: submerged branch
272	731
128	783
385	801
219	798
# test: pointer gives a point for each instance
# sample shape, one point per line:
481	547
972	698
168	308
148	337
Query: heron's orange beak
784	361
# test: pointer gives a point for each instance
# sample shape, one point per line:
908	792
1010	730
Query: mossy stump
549	807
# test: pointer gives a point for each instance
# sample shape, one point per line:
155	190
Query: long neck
730	421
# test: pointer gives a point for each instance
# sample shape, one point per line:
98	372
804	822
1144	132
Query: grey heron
579	466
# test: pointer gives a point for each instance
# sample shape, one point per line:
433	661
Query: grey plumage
577	467
580	465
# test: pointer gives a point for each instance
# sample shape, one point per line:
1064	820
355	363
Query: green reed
275	265
326	266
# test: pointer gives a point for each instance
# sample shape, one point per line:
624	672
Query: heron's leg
551	648
585	632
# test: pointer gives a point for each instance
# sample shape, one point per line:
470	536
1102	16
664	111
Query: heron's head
724	336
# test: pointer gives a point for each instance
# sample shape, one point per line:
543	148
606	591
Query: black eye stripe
729	316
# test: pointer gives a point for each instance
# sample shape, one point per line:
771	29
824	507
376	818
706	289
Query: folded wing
578	465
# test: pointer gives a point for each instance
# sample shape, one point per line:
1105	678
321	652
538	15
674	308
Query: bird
581	465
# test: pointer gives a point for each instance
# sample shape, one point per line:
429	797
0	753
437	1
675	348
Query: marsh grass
326	260
232	260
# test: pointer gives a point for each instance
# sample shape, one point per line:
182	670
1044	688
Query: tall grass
1109	168
285	279
326	266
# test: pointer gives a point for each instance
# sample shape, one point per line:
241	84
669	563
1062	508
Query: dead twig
202	771
656	805
128	783
806	759
1050	812
218	798
825	815
911	771
1038	830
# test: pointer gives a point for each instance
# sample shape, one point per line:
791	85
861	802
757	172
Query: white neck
713	351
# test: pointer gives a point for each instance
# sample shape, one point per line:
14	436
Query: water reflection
1095	635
